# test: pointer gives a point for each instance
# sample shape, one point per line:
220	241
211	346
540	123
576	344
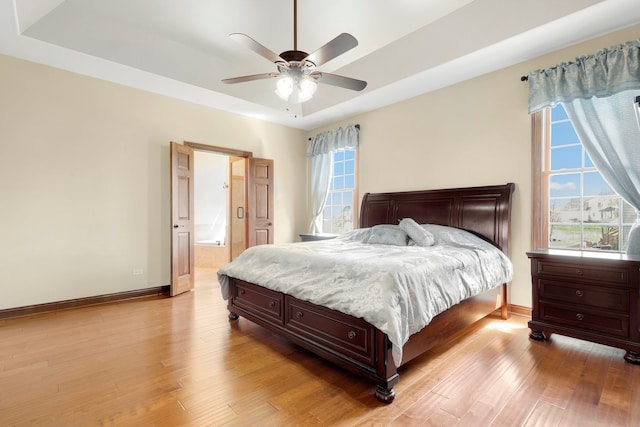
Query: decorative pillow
450	235
387	234
416	233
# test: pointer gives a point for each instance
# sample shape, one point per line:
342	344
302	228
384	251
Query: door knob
175	225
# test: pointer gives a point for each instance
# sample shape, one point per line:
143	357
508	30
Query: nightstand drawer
585	319
578	293
580	272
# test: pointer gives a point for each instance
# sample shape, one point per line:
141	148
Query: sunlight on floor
506	325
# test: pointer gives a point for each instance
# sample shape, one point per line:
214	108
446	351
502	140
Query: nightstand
317	236
586	295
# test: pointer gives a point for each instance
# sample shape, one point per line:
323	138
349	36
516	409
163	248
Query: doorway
219	210
249	189
219	206
211	200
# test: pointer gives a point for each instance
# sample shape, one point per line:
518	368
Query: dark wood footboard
350	342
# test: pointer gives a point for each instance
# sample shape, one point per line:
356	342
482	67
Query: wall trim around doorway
220	150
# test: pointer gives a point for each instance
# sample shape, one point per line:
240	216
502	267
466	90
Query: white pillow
416	233
387	234
446	235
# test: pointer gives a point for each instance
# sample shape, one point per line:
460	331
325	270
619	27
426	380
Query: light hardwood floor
179	361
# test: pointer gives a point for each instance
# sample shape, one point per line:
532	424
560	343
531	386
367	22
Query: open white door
182	208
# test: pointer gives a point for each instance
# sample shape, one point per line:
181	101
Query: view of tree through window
338	213
584	212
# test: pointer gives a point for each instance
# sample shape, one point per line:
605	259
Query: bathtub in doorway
211	254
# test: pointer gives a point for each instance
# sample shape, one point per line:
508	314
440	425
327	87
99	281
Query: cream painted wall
84	181
474	133
84	169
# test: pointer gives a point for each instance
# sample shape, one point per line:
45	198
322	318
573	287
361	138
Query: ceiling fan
297	73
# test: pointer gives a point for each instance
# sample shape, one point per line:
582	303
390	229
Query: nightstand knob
579	316
579	293
579	271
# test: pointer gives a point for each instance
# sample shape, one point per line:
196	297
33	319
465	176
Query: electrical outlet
138	271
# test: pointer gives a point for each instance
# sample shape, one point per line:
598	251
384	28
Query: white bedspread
398	289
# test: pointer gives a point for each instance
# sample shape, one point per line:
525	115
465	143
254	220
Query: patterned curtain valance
343	138
605	73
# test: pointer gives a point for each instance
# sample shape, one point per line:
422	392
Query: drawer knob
272	303
351	335
579	293
579	316
579	271
242	292
299	314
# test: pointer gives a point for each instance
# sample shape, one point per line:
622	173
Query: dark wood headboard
485	211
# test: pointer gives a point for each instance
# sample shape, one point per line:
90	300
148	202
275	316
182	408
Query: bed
352	342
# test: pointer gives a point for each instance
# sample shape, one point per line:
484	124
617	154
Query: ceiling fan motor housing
294	55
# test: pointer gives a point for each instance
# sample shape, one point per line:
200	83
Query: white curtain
613	143
598	93
321	172
320	148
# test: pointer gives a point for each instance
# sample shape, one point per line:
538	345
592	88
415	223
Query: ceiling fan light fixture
284	87
296	89
306	89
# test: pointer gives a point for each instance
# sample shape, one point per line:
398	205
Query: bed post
386	369
504	307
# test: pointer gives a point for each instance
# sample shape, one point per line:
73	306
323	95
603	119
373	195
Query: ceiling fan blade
256	47
334	48
250	78
340	81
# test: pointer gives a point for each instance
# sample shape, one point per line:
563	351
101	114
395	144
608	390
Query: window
340	211
578	209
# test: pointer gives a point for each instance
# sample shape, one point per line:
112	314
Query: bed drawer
259	301
333	330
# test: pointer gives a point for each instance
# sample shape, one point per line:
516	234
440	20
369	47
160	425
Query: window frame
355	215
540	177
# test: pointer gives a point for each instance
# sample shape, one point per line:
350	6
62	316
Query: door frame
218	150
174	287
229	152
